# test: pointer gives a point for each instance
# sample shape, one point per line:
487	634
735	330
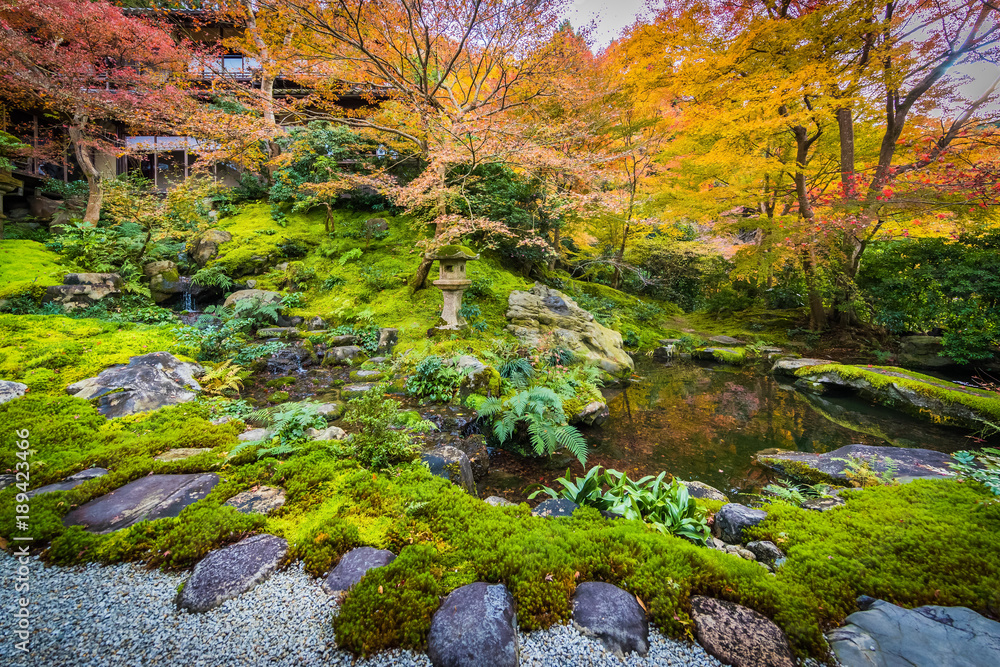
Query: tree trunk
556	241
845	123
419	279
817	314
95	198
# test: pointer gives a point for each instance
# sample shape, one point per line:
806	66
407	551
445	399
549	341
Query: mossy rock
921	396
365	375
278	383
733	356
278	397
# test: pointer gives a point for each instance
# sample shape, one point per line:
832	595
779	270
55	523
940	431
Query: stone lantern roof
453	252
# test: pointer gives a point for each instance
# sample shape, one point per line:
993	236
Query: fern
540	411
224	379
212	276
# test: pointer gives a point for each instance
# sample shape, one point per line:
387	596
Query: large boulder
733	519
231	571
832	468
70	482
923	352
11	390
884	635
555	507
476	626
83	289
387	339
353	566
704	491
145	499
451	463
613	615
147	382
342	355
206	245
918	395
261	295
739	636
474	447
543	312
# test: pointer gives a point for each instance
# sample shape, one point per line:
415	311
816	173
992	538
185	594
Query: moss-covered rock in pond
920	395
278	397
278	383
734	356
365	375
832	467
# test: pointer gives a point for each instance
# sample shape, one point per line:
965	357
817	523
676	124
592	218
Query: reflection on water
705	423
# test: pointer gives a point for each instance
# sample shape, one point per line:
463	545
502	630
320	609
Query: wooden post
185	158
34	145
156	166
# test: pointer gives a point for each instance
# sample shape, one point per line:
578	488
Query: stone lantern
452	283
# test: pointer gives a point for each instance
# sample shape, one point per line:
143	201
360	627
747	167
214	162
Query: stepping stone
349	391
498	501
230	571
11	390
353	566
181	453
452	464
70	482
328	433
148	498
739	636
884	635
331	411
262	500
725	340
278	332
475	627
555	507
256	434
733	519
343	354
613	615
366	375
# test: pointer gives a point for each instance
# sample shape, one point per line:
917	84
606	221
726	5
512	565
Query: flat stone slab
255	434
911	463
789	366
147	382
885	635
145	499
613	615
725	340
353	566
70	482
181	453
231	571
11	390
262	500
498	501
739	636
555	507
278	332
475	626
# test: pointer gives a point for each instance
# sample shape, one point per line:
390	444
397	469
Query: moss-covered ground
49	352
922	543
27	265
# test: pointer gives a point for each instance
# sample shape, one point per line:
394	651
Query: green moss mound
27	265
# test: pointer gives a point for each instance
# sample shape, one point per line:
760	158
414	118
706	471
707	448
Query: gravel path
125	615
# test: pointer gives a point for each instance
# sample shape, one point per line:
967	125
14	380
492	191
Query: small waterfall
188	298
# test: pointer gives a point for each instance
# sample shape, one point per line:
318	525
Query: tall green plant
378	443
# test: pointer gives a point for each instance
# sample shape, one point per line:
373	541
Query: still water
706	422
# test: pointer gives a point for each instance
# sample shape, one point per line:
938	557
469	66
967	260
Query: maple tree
90	65
447	77
793	115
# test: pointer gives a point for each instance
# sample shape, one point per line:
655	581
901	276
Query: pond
705	422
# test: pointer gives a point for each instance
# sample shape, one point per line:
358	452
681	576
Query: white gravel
125	615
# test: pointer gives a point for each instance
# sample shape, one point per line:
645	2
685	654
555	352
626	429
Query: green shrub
377	444
537	415
434	380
